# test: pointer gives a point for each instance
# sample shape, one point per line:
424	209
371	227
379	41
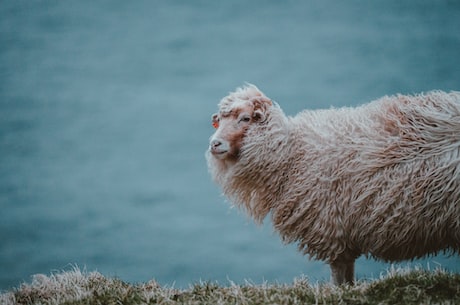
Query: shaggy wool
381	179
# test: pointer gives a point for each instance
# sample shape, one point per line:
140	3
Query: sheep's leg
342	272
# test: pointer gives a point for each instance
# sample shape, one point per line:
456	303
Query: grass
402	286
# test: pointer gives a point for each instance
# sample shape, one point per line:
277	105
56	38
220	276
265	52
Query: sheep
380	180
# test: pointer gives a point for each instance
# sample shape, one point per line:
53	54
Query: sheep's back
381	179
408	195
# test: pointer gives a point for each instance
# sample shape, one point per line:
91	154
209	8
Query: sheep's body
382	179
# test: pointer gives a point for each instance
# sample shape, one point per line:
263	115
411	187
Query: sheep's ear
258	116
215	120
261	104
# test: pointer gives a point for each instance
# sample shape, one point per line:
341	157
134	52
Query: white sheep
381	179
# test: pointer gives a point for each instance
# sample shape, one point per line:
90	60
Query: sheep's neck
260	175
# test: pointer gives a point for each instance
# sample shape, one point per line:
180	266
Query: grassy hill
397	287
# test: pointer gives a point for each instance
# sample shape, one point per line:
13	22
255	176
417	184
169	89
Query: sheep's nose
218	148
215	143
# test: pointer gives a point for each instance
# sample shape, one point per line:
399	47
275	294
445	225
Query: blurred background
105	113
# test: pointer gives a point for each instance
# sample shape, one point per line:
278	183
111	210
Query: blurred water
104	120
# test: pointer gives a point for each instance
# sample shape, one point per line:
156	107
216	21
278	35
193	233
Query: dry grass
400	286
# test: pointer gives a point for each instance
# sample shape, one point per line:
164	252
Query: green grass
397	287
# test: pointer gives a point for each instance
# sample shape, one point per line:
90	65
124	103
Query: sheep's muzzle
218	148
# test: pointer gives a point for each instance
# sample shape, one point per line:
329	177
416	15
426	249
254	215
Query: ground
401	286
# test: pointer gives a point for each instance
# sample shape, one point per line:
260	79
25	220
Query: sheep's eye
245	119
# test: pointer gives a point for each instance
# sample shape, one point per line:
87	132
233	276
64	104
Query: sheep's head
237	112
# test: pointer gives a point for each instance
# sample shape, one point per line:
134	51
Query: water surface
104	120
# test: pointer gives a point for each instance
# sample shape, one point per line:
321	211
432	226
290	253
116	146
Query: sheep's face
231	125
237	113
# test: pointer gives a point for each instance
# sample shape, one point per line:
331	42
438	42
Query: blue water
105	116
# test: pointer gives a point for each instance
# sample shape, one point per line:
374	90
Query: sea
105	111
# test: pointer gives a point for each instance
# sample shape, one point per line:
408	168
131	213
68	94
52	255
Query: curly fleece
381	179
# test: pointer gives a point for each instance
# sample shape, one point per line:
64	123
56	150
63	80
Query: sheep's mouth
219	148
218	152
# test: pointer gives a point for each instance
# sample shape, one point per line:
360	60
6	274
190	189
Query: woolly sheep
381	179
